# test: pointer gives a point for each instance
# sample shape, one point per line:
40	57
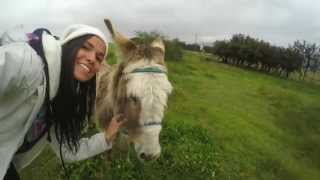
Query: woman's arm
88	147
21	79
92	146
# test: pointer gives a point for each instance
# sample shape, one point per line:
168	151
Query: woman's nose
91	57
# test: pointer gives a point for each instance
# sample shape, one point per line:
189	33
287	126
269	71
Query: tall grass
222	122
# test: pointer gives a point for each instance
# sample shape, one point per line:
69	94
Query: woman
47	92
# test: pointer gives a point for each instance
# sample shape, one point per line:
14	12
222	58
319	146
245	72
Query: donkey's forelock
152	90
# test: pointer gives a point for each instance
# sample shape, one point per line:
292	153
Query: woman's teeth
85	67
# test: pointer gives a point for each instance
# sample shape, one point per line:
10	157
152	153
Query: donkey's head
141	90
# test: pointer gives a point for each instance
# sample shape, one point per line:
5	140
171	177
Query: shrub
174	49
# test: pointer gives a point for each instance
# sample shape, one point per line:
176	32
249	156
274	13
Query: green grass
222	122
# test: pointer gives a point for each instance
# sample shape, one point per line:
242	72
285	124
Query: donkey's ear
125	44
158	43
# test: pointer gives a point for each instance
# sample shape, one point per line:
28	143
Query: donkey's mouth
145	157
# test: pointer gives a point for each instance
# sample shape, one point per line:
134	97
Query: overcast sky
280	22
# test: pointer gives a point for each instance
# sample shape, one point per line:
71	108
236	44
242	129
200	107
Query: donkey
137	87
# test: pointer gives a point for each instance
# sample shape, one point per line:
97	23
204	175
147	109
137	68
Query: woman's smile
86	68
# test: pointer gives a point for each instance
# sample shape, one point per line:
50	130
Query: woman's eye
86	47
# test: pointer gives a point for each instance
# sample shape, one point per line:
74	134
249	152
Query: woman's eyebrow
90	44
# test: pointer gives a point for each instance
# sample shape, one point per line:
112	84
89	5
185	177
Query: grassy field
222	122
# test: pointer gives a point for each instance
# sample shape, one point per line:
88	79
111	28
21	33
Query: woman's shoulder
20	67
16	49
18	56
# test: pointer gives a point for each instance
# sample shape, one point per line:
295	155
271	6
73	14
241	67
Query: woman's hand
114	126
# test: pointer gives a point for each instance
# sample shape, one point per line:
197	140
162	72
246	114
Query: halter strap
125	131
151	124
149	70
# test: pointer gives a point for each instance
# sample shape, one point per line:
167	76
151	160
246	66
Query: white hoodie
22	92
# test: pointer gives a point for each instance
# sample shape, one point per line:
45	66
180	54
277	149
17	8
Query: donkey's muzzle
150	157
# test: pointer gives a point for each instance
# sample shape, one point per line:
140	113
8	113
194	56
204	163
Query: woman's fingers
114	126
120	118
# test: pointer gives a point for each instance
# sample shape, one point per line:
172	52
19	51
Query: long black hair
73	104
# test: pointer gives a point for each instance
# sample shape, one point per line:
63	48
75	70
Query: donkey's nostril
143	156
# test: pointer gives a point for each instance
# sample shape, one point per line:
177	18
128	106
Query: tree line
242	50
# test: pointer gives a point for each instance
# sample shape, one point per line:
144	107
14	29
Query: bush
111	56
174	48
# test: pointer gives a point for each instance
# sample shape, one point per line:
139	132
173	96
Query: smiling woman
89	58
47	96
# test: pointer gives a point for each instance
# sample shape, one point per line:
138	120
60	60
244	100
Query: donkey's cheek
132	113
132	108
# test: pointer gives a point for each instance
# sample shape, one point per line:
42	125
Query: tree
192	47
315	64
309	51
246	51
221	48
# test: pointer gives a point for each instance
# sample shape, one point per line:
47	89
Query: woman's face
89	58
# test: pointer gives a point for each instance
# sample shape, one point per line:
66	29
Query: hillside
263	127
222	122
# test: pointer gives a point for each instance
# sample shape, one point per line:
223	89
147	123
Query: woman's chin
82	77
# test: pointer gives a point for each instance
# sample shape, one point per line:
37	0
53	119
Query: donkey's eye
134	99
